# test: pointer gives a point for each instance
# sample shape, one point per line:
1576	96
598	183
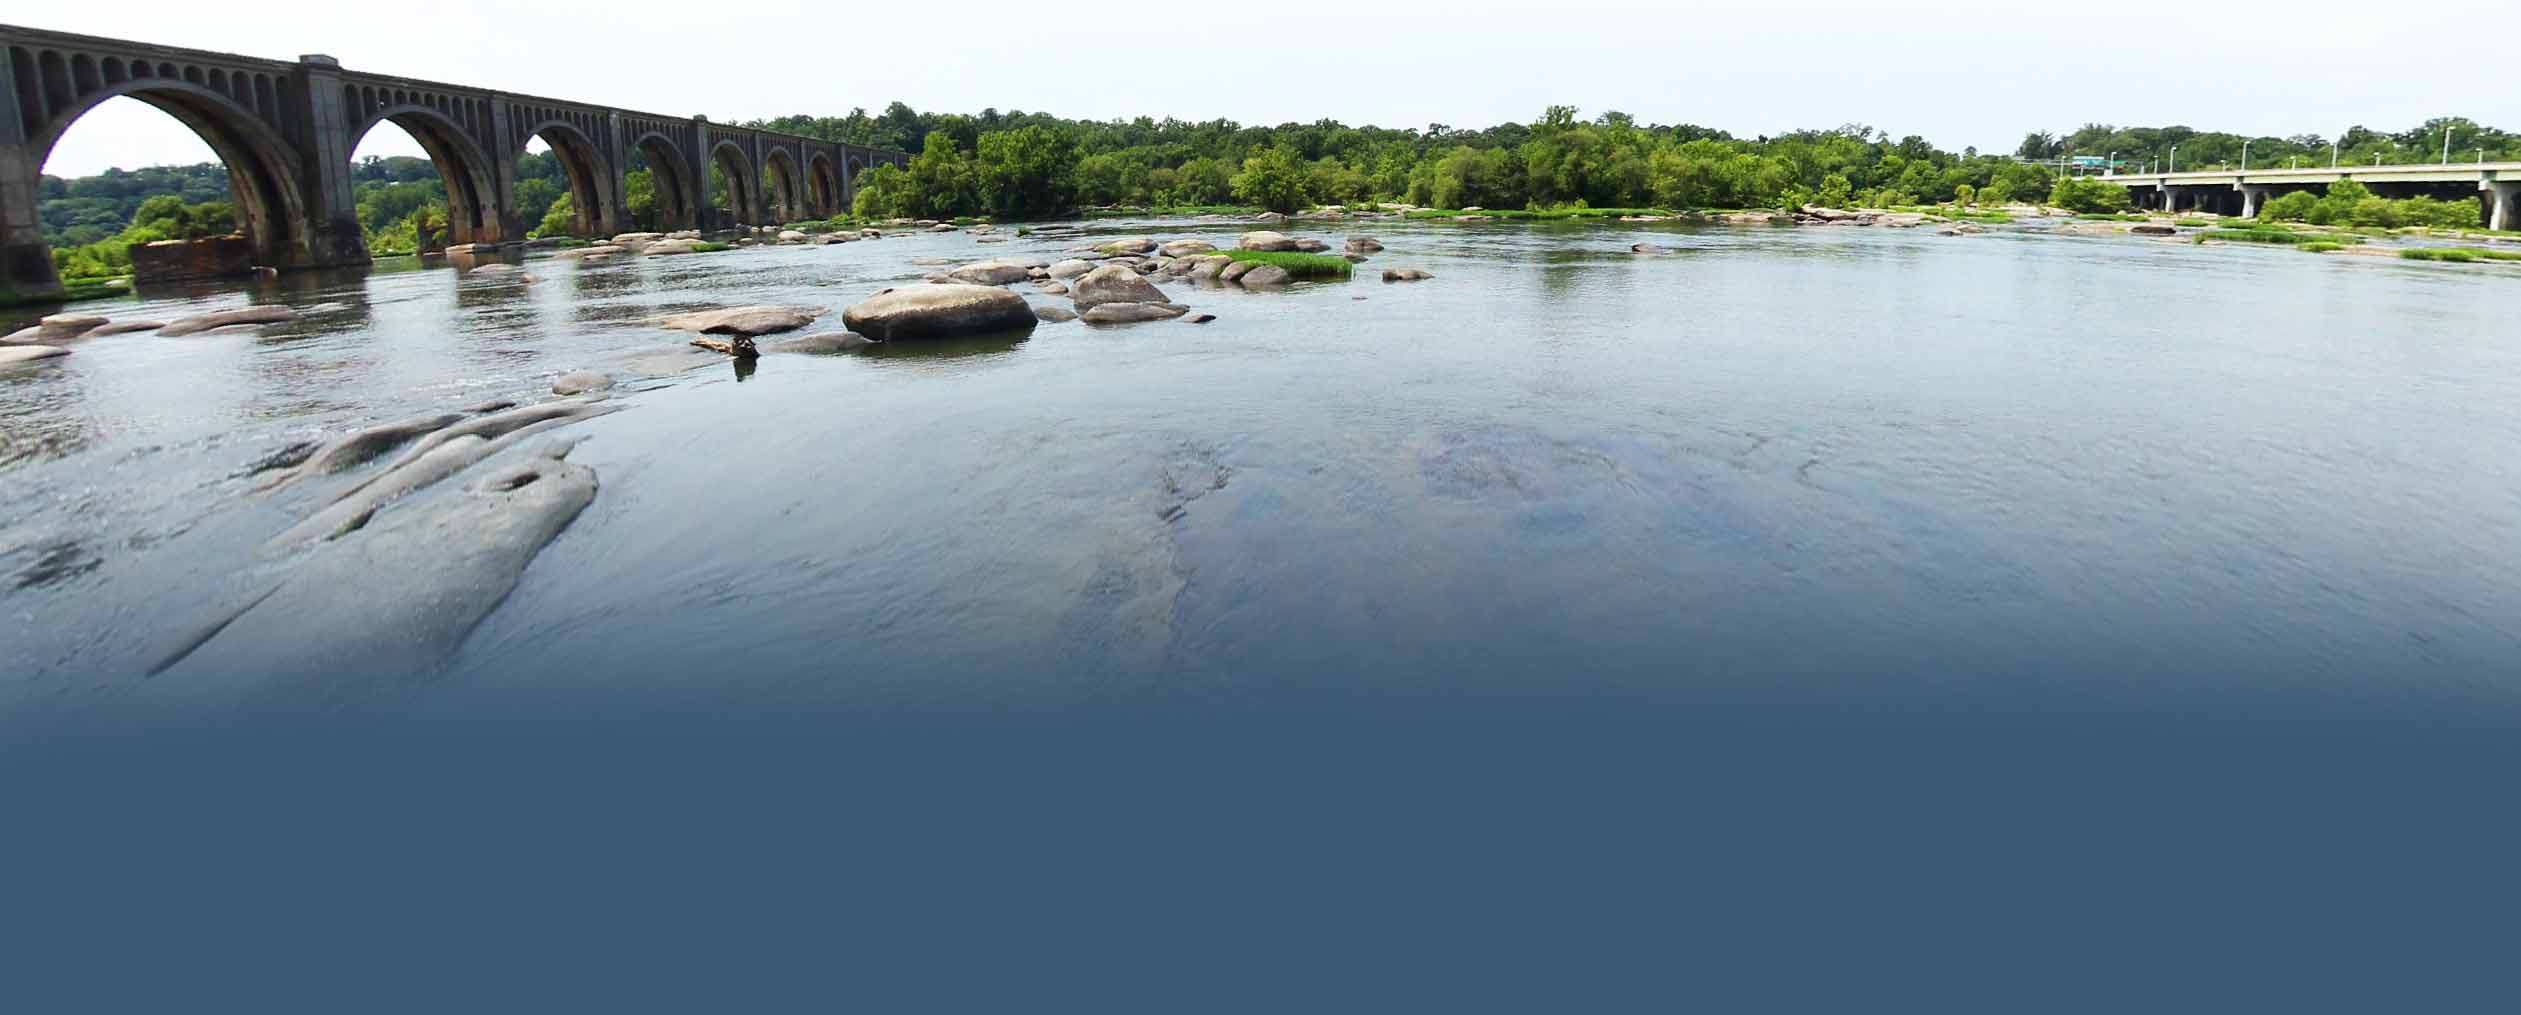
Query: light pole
2446	144
2175	158
2332	155
2245	156
2110	167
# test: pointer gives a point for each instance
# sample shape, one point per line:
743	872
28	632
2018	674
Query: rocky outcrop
391	604
1265	240
224	318
989	273
756	320
12	354
1127	245
1185	248
597	251
1364	245
121	327
938	311
1131	313
1113	284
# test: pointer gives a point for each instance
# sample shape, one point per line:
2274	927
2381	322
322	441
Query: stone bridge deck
286	130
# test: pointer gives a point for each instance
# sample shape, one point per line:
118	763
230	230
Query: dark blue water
1824	619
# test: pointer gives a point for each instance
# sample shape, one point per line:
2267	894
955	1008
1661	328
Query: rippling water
1851	465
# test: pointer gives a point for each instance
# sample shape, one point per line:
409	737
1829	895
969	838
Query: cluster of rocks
1815	215
44	340
1108	281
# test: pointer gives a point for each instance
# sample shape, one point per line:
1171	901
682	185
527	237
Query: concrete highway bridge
2497	185
286	130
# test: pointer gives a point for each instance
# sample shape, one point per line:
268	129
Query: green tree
2079	194
1025	173
561	219
1273	179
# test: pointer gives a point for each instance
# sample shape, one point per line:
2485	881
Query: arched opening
781	189
560	186
658	188
734	188
401	201
161	159
849	183
824	186
463	172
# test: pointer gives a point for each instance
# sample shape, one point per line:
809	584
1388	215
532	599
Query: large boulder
1071	268
791	236
1269	218
937	311
1233	270
1266	275
1311	246
762	320
1127	245
223	318
1130	313
989	273
598	250
1263	239
1113	284
1185	248
1364	245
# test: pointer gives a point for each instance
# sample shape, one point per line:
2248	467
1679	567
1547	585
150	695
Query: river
1852	465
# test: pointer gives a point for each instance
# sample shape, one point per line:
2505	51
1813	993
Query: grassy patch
1300	265
2193	222
1176	209
94	288
2121	217
2275	234
2459	254
2321	246
706	247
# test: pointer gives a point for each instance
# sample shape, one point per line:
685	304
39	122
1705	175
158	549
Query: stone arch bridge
286	131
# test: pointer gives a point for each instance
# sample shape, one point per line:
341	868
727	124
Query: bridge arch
472	205
783	186
675	184
583	164
822	185
743	182
851	182
262	178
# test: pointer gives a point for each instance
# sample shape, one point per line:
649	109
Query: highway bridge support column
2252	198
2503	204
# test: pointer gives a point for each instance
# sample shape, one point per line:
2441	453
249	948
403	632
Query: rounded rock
938	311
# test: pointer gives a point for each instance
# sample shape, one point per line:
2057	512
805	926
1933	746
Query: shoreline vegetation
1019	167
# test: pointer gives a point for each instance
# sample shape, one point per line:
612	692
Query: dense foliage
164	217
2348	203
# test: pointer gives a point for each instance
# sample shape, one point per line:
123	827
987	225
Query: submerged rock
1644	248
1405	275
224	318
579	382
2153	230
938	311
363	445
824	344
1053	288
1054	315
1113	284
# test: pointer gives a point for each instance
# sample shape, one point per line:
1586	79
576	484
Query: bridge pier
2503	199
330	236
2252	199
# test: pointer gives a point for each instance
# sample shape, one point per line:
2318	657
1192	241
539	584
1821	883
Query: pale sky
1961	73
